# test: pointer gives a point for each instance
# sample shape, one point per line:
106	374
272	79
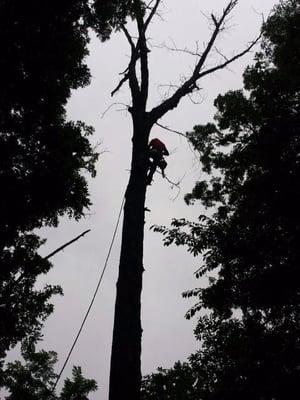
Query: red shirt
159	146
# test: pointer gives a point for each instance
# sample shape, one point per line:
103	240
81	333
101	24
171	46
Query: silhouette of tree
42	155
125	375
34	379
78	388
238	359
177	383
250	159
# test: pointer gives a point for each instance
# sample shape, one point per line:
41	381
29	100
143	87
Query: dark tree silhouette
177	383
33	379
42	155
237	359
250	157
77	388
125	375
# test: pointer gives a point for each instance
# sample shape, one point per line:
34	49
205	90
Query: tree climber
156	152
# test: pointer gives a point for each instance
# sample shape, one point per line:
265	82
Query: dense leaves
251	170
43	156
34	379
239	359
177	383
251	160
108	15
77	388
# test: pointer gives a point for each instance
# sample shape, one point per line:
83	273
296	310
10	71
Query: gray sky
167	336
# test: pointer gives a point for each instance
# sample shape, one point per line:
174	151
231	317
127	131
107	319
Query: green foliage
239	359
34	379
250	157
79	387
43	157
177	383
23	308
110	14
251	160
251	358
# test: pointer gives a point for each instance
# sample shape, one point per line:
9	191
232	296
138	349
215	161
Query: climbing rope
93	298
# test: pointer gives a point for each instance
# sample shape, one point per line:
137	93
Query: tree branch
138	51
66	244
143	52
128	37
230	60
120	84
130	70
152	13
23	274
127	107
179	50
190	84
170	130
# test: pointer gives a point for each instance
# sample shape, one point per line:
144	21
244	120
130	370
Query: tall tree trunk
125	373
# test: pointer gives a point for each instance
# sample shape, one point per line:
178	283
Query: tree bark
125	373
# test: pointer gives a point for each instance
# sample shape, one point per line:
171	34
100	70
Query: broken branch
66	244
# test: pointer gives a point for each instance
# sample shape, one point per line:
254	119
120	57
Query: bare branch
218	26
66	244
221	54
174	184
170	130
128	37
214	19
127	107
191	83
130	73
194	101
230	60
179	50
120	84
143	51
23	274
169	85
152	13
148	6
139	51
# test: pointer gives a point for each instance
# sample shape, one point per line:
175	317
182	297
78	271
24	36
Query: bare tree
125	374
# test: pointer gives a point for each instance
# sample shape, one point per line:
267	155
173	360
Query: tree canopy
35	378
174	383
109	15
251	167
43	155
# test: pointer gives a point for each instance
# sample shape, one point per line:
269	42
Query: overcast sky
167	336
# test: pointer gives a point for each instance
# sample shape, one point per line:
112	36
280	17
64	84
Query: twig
174	184
170	130
177	49
127	107
194	101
